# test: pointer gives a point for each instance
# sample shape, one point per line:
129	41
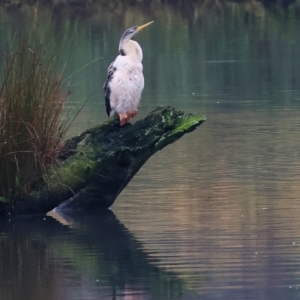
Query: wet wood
97	165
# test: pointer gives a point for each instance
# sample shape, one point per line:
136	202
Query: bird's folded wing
110	72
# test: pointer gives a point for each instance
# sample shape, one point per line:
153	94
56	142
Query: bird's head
130	32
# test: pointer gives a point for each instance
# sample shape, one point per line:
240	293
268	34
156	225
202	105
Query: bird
125	80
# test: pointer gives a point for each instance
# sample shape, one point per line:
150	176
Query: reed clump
31	131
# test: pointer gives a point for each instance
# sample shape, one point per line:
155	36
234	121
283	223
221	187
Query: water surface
213	216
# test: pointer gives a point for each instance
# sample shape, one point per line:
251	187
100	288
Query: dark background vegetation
87	5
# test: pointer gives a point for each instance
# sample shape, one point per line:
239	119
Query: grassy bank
31	105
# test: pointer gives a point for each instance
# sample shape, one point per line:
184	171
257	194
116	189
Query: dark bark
98	164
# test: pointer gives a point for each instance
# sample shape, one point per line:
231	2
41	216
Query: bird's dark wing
110	72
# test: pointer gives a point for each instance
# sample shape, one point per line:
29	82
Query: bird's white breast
127	84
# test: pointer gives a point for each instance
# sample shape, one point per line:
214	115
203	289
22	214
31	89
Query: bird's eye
130	31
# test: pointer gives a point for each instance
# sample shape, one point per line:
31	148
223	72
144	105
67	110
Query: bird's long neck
131	49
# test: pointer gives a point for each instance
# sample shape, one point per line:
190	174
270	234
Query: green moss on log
97	165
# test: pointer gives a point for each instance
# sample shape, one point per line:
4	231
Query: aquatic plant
31	106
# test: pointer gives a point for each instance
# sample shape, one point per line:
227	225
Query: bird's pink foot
123	119
132	113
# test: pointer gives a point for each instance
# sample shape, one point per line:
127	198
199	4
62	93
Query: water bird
125	80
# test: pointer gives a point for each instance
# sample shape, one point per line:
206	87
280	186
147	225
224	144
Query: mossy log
96	166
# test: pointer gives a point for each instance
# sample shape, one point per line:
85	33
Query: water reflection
220	208
86	256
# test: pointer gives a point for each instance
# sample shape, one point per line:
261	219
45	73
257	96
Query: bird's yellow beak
139	28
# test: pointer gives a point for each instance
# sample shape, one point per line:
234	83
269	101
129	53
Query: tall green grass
31	131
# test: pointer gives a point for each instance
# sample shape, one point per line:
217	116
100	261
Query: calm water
213	216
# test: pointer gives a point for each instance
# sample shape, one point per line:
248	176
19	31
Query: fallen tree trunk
96	166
